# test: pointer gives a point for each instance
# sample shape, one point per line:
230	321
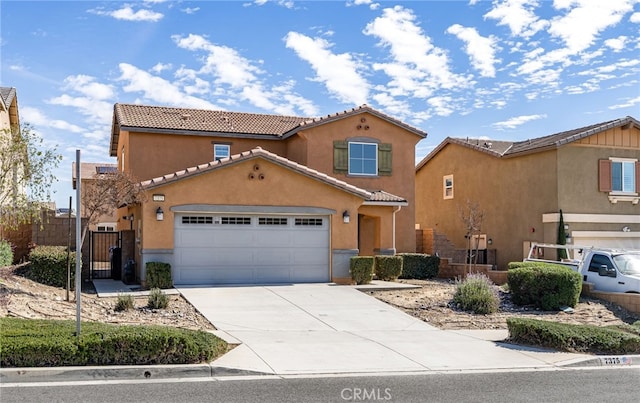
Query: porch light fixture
345	217
159	214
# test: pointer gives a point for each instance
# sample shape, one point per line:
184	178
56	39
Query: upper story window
221	151
447	187
362	157
620	177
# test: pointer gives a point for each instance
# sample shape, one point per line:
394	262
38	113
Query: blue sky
502	69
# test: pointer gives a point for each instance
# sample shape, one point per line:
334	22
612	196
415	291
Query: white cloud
585	19
95	100
190	10
514	122
481	50
160	67
235	76
617	44
518	15
127	13
418	67
224	63
39	120
338	72
158	90
635	18
441	105
628	104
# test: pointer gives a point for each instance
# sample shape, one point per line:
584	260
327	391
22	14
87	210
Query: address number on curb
615	360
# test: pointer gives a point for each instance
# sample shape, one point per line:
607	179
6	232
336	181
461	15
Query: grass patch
52	343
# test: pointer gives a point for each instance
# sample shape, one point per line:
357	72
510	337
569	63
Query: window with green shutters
362	159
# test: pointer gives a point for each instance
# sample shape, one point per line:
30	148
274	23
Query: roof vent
487	145
185	116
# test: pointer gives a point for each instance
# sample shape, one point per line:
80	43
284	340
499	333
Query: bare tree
472	218
25	175
108	192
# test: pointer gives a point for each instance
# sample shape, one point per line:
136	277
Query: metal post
69	251
78	244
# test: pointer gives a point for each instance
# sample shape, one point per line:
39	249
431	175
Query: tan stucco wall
151	155
513	193
578	175
401	183
231	186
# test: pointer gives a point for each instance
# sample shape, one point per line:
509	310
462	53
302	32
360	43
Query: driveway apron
326	328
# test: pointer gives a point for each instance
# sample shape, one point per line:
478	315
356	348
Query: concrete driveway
326	328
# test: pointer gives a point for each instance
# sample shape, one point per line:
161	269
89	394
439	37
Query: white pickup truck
611	270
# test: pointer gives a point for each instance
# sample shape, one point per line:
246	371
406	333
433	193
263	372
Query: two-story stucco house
253	198
592	174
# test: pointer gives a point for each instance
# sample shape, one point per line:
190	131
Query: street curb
605	361
118	372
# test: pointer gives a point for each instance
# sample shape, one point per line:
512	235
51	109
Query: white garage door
257	249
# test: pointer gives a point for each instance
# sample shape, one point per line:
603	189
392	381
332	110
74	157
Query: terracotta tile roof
162	119
382	197
248	155
89	170
508	148
200	120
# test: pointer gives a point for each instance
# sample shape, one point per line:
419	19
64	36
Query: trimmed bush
419	266
546	286
159	275
388	268
478	294
124	303
574	338
361	269
157	299
49	266
6	253
48	343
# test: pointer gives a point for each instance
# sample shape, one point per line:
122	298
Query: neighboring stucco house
91	172
254	198
592	174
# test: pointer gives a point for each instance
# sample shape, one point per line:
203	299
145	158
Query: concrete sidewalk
329	329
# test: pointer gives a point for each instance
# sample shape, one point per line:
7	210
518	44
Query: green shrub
49	265
124	303
478	294
388	268
361	269
157	300
159	275
47	343
419	266
546	286
574	338
6	253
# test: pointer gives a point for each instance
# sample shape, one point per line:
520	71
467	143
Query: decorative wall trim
592	218
220	208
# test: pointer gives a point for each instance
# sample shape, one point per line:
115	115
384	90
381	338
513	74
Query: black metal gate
105	255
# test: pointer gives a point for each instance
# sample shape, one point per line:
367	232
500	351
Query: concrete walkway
326	328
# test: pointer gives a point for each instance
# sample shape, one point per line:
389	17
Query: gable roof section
7	94
249	155
507	149
354	111
161	119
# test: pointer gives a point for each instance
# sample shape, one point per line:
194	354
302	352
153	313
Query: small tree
25	175
108	193
562	238
472	218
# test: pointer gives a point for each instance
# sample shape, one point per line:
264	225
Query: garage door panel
251	249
